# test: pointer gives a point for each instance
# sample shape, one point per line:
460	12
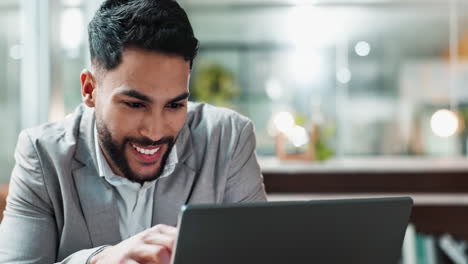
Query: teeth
145	151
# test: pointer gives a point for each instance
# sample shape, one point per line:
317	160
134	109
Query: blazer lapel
95	194
98	205
170	195
175	190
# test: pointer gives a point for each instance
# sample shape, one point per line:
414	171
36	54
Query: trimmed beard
116	152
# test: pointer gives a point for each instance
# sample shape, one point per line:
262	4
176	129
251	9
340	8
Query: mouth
147	155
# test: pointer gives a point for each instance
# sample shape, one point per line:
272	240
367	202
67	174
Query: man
106	184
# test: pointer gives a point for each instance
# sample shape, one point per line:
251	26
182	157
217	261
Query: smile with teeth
146	151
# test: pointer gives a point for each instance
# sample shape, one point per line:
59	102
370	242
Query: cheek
177	122
121	122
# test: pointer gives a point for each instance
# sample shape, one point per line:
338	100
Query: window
11	53
371	74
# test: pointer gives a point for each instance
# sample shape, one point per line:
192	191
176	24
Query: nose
153	126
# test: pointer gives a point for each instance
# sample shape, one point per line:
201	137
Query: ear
88	88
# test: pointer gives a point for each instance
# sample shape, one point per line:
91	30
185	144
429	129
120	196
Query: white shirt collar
106	172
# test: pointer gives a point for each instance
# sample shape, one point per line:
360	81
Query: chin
146	171
146	175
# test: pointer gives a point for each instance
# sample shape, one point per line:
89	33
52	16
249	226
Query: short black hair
153	25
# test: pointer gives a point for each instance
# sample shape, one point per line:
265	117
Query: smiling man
106	184
148	93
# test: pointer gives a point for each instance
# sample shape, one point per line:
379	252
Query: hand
152	246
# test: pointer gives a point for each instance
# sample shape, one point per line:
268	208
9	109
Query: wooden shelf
439	187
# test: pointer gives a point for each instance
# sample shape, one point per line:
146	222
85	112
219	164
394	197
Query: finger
165	229
166	241
151	254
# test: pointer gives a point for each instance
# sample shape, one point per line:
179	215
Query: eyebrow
179	98
145	98
137	95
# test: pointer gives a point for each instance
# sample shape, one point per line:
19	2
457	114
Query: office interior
350	98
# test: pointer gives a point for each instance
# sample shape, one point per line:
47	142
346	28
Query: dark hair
153	25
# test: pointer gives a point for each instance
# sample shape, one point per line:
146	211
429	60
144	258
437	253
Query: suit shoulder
47	132
55	133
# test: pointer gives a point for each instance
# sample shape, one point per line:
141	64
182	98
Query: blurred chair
3	195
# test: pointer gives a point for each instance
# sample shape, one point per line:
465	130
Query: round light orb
284	121
298	136
444	123
16	52
362	48
343	75
273	89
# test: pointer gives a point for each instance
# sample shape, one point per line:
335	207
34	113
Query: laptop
360	231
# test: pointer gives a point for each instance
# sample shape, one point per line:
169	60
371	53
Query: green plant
214	84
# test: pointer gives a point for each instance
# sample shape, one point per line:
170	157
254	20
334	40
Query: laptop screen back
361	231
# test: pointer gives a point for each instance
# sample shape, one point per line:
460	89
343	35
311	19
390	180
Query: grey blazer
60	210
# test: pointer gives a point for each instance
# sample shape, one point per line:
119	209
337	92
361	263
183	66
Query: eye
134	104
175	105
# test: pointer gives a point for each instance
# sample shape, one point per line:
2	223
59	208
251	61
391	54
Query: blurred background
352	78
373	89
